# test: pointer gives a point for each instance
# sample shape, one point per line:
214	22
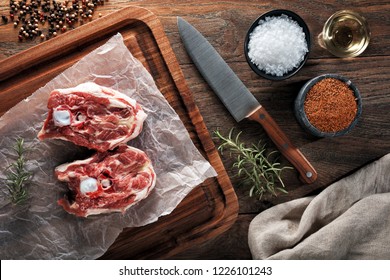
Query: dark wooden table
224	24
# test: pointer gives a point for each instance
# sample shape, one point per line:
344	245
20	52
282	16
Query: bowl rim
301	23
301	114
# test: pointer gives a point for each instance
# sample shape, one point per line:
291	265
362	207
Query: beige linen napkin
348	220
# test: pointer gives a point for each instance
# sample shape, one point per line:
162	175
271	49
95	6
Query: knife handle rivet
262	116
309	174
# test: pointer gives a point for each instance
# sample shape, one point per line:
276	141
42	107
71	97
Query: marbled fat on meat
92	116
109	181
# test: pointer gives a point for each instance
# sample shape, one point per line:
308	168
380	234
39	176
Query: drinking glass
345	34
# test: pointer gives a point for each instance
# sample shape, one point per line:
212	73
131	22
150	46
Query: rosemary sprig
17	175
262	172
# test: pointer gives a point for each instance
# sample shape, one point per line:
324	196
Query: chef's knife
237	98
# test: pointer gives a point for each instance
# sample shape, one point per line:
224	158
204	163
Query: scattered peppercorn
330	105
5	19
63	15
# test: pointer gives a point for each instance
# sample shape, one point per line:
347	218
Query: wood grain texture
210	208
307	173
224	24
234	243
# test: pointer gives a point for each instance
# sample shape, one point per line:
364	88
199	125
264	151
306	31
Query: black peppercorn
64	13
4	18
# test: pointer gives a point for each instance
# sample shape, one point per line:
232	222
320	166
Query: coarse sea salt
277	45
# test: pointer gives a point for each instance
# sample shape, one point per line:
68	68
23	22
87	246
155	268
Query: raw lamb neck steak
111	181
92	116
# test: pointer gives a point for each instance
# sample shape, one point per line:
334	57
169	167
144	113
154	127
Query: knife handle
307	173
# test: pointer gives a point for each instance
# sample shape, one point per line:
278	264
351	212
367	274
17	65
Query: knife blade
237	98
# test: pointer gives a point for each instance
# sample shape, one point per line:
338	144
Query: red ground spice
330	105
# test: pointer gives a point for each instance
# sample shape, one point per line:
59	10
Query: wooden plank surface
224	24
210	208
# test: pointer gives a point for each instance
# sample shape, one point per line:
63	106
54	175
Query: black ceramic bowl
276	13
301	114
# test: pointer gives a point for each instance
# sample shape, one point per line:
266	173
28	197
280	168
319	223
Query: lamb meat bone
92	116
110	181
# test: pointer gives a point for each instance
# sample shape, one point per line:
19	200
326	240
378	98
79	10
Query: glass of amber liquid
345	34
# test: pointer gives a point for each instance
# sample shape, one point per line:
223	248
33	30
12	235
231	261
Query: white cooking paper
40	229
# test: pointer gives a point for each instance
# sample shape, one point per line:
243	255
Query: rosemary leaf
261	171
17	175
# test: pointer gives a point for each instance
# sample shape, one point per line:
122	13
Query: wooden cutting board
212	207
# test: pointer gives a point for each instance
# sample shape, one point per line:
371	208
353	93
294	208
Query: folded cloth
348	220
